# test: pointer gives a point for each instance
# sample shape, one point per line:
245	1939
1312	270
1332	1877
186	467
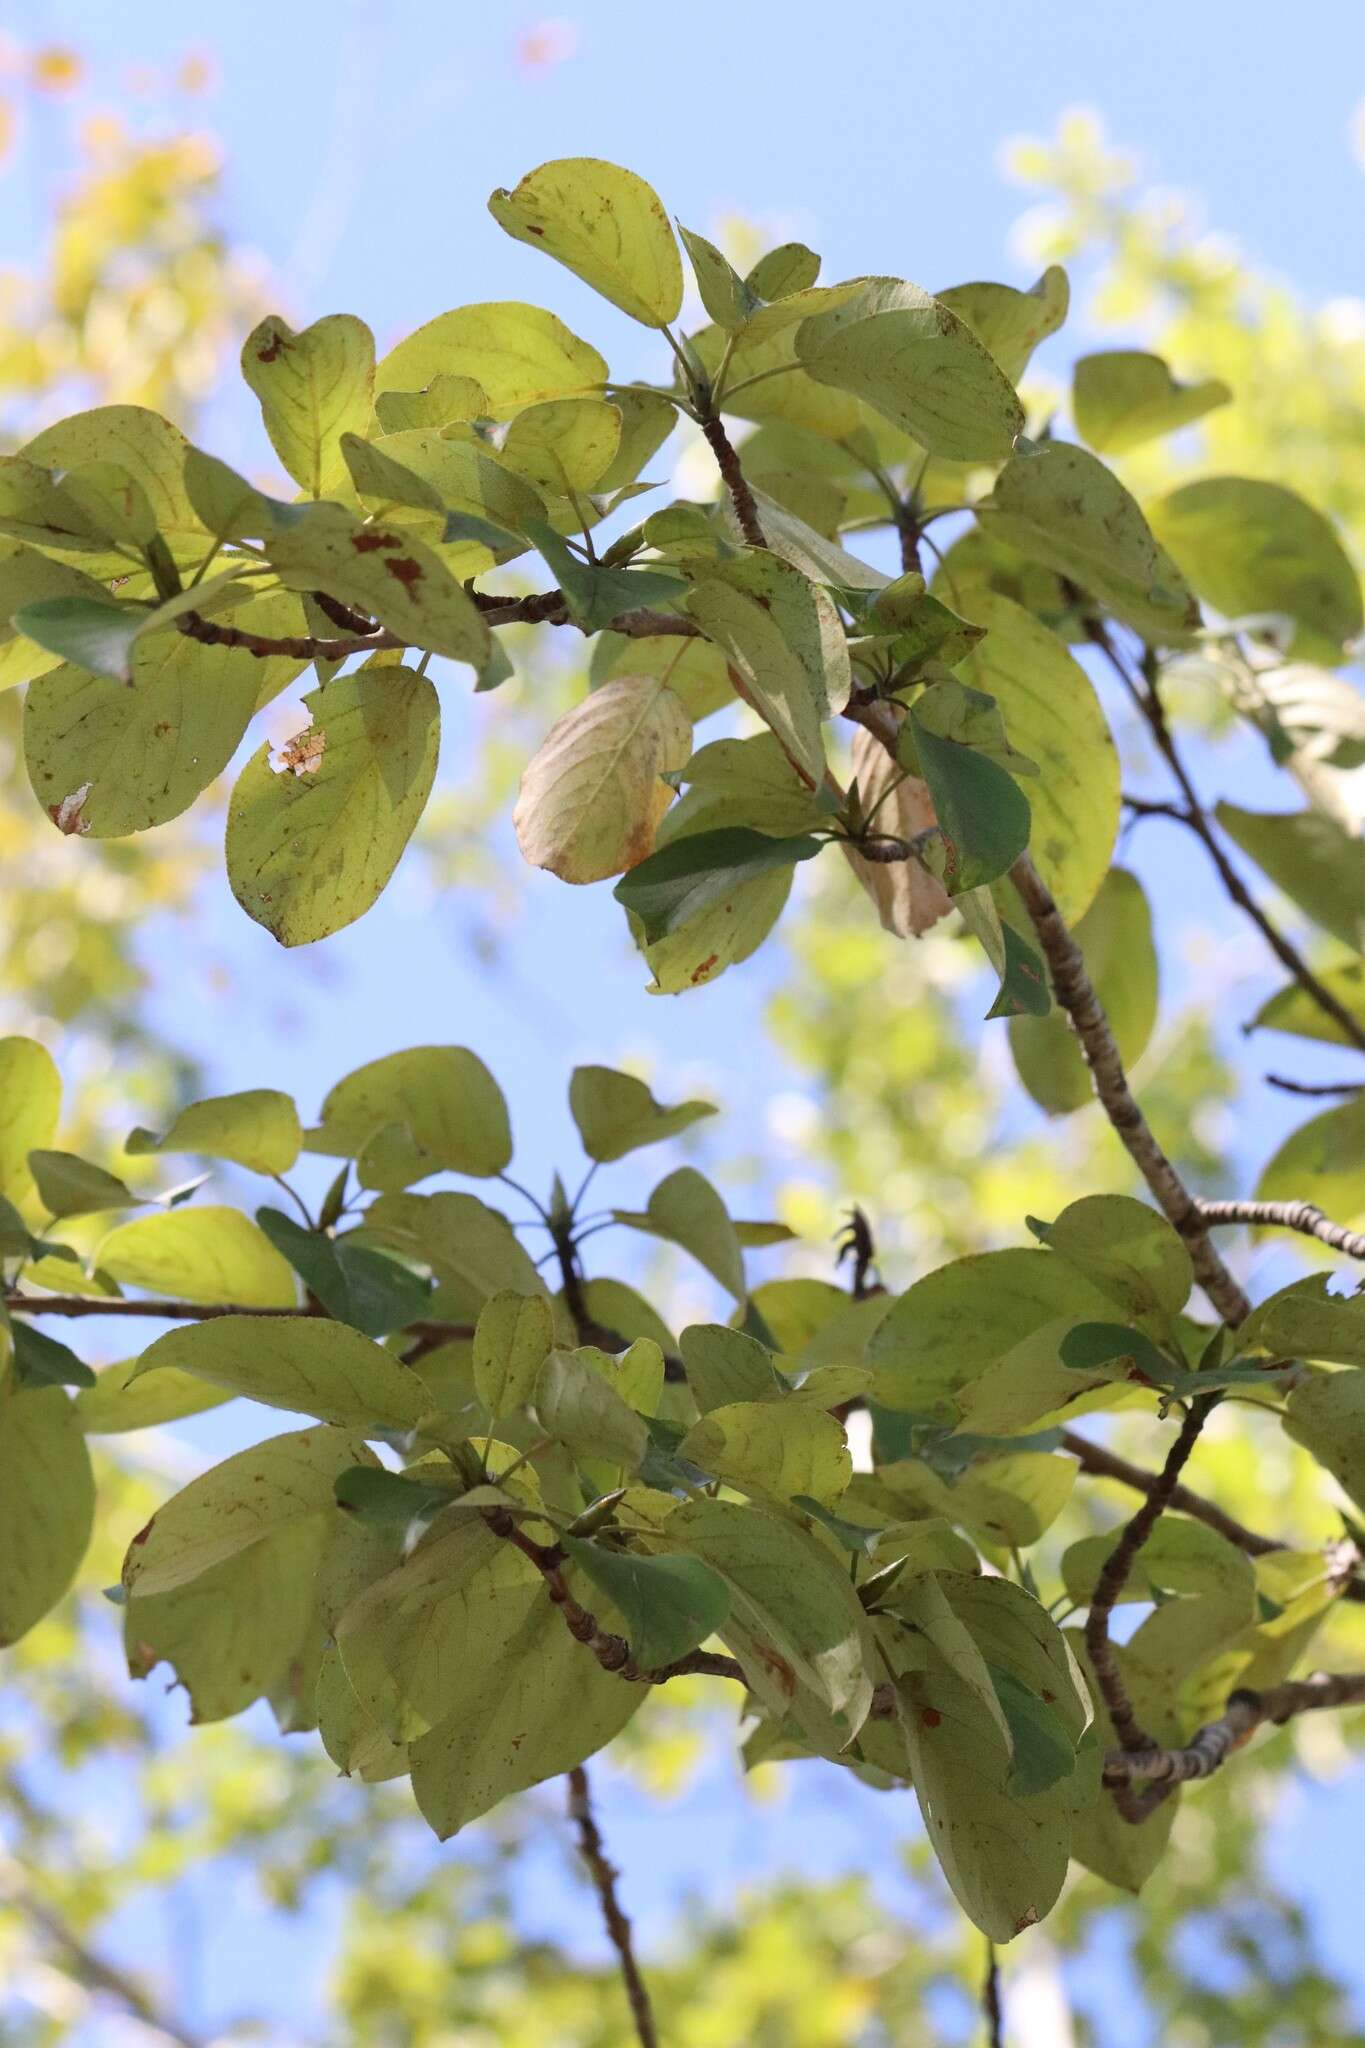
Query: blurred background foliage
121	1838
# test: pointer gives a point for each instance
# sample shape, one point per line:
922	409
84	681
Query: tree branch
992	2006
735	481
89	1967
1149	705
1211	1747
1301	1216
547	608
603	1876
1076	994
1314	1087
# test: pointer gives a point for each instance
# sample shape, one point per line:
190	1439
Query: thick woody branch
1302	1216
735	481
1210	1748
1076	995
603	1875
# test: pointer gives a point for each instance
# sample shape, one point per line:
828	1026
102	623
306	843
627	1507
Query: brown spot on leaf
67	815
930	1716
302	755
271	352
405	571
532	229
366	543
700	972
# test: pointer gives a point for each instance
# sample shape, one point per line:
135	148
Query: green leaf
443	402
512	1340
593	792
616	1113
1044	1753
922	1603
1037	1382
1123	396
728	300
430	1109
673	886
1318	865
774	1449
387	572
724	931
116	1402
518	354
107	760
204	1254
918	364
377	476
1088	1345
310	847
686	1210
41	1361
670	1603
604	224
1323	1161
1115	938
580	1408
257	1128
1005	1856
805	1639
354	1283
1304	1320
524	1702
791	267
1053	715
1251	547
351	1739
1327	1416
564	446
1008	322
1010	1499
1061	506
393	1500
98	637
725	1366
313	387
950	1326
471	1249
983	814
1023	990
312	1367
743	782
1128	1252
69	1186
782	634
146	448
47	1505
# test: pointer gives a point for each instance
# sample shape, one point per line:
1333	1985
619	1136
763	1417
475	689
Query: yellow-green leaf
47	1504
593	793
778	1450
311	1366
30	1103
429	1109
203	1254
313	387
257	1128
1124	396
606	225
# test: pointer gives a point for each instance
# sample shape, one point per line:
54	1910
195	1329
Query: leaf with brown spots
313	387
388	574
607	226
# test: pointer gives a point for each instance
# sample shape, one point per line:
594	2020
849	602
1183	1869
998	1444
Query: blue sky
361	143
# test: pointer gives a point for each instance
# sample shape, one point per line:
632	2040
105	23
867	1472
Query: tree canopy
515	1505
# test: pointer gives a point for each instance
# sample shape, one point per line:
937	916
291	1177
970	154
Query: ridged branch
1301	1216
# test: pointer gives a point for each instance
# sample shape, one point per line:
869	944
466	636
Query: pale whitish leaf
593	793
908	899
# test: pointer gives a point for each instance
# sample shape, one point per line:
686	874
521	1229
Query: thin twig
1114	1576
735	481
546	608
992	2006
91	1969
604	1877
1314	1087
1150	707
1301	1216
1106	1464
